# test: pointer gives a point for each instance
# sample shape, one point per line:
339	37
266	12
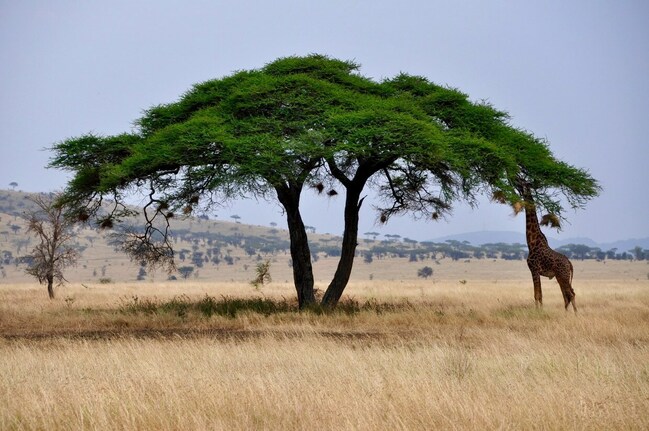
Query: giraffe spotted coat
543	261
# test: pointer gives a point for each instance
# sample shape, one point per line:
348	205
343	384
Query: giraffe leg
538	294
567	292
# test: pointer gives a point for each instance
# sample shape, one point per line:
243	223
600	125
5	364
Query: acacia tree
54	231
303	122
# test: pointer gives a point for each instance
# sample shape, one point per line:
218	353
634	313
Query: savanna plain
464	349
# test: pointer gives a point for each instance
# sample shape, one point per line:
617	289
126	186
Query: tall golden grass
414	354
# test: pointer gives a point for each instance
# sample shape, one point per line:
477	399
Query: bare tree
48	259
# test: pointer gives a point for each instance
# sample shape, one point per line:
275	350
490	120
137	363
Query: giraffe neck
535	237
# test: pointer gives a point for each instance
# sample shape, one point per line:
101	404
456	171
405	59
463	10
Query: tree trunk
348	251
50	286
300	252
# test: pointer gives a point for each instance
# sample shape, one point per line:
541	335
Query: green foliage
352	307
182	306
134	305
207	306
231	307
263	274
490	152
273	124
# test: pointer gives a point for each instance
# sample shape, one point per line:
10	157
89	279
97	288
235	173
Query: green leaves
92	150
280	124
488	153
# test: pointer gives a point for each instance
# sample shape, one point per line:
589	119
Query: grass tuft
207	306
527	312
231	307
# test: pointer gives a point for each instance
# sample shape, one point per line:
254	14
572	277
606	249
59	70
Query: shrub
263	274
425	272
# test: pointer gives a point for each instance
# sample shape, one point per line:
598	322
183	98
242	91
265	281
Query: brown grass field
465	350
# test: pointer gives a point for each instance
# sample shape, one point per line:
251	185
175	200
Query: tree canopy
314	122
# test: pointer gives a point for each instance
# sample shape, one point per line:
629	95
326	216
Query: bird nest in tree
551	220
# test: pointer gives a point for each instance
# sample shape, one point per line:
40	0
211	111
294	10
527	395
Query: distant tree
624	256
372	234
409	241
600	254
425	272
368	258
21	242
185	271
578	251
15	228
236	218
52	254
7	257
13	185
263	274
141	275
639	253
197	259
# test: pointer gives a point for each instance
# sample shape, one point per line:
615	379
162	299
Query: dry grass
401	355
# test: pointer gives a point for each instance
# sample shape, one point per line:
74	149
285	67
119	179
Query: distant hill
229	248
225	250
508	237
485	237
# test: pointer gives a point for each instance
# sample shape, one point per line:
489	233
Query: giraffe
542	260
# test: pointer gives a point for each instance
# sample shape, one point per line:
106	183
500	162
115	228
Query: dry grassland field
464	350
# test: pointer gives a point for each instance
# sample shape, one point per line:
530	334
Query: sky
574	73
